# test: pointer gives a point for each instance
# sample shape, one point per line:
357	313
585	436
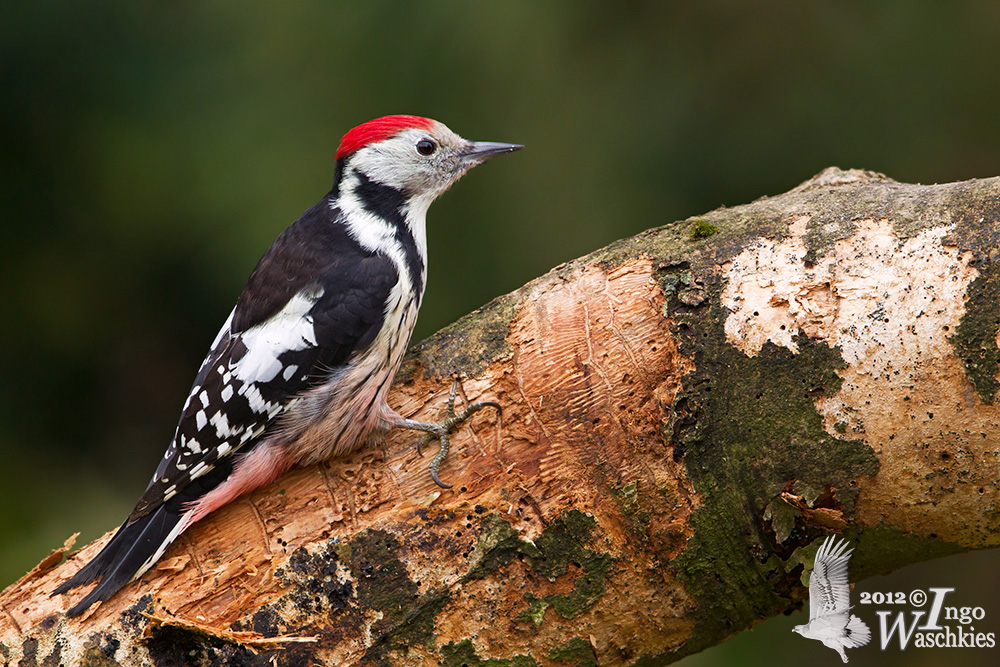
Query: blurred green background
151	152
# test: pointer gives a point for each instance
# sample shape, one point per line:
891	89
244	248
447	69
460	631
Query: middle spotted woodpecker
300	371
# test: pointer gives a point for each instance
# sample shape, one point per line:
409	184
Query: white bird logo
830	618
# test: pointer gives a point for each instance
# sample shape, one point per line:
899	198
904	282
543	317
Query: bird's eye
426	147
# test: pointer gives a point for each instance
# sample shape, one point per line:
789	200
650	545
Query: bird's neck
385	221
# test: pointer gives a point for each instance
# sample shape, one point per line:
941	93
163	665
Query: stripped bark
685	413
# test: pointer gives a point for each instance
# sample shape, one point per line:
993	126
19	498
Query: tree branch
685	412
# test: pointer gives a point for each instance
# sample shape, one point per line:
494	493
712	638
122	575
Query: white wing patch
289	330
200	469
221	423
191	445
257	402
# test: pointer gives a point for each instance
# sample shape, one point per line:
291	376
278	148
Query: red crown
378	130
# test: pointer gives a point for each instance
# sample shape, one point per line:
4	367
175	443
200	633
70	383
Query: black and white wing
314	299
829	590
301	315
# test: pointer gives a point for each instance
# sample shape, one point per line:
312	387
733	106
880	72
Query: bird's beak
477	151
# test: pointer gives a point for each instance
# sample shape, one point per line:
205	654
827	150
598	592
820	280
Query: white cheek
394	164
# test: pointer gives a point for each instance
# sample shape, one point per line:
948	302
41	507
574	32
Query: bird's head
801	629
418	156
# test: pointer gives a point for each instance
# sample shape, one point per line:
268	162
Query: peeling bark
685	413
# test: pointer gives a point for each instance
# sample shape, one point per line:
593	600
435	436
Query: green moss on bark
975	338
746	427
577	651
561	543
467	346
557	549
587	589
498	544
463	654
383	585
381	579
701	229
535	613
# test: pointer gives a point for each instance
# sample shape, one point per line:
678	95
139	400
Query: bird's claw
442	429
427	437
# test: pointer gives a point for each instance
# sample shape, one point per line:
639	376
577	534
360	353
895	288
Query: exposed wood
685	413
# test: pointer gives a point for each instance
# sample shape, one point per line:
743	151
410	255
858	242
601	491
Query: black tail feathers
124	556
96	567
136	543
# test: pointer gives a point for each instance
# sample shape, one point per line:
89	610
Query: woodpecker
300	370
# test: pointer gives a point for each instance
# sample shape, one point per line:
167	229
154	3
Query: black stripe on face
387	203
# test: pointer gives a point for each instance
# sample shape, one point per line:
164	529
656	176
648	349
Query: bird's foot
442	430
